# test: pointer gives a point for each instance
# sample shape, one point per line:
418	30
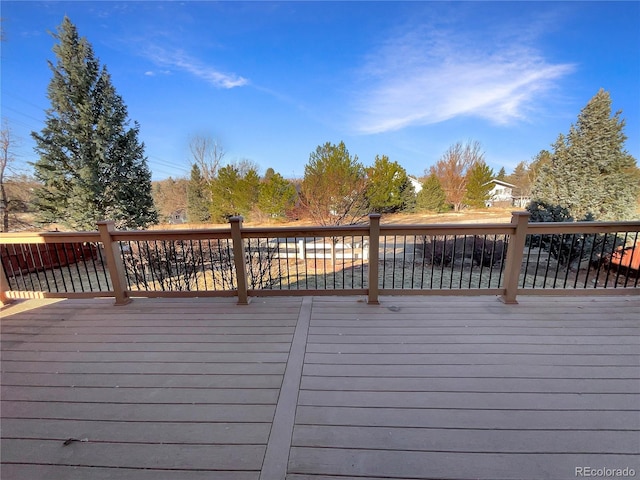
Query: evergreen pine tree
276	195
386	181
408	196
197	202
234	192
432	197
334	186
91	164
478	186
502	174
589	171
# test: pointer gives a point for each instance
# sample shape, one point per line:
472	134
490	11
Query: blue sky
270	81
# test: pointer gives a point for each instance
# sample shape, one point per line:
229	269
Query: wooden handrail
372	233
48	237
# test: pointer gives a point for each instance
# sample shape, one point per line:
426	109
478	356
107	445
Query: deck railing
373	259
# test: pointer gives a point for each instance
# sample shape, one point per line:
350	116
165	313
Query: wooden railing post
374	253
4	288
515	252
114	262
239	259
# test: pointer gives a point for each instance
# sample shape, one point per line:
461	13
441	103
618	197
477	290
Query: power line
24	100
39	120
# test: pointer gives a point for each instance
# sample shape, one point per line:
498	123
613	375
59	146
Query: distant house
501	193
177	217
417	186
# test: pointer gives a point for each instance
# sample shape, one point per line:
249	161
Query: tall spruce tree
91	164
478	187
432	196
589	172
198	205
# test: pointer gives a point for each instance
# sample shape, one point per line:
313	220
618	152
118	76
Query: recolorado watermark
591	472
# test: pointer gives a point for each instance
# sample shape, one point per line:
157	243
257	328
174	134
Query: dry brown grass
489	215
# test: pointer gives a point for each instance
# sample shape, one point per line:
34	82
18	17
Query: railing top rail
447	229
583	227
48	237
322	231
146	235
311	231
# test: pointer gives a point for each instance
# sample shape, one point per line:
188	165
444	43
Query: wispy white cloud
180	60
153	73
429	76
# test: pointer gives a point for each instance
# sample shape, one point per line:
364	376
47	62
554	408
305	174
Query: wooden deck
320	388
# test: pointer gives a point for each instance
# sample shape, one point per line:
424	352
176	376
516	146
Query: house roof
500	182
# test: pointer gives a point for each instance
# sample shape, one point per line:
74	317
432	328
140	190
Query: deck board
414	388
468	388
157	389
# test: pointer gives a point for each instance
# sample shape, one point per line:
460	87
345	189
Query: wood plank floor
323	388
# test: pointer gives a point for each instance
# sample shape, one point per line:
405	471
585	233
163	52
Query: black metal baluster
602	250
492	258
92	250
102	264
60	269
35	267
568	267
76	261
384	261
593	247
127	261
622	251
584	241
17	258
609	266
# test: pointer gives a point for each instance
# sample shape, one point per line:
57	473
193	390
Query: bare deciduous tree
7	142
452	170
207	155
170	197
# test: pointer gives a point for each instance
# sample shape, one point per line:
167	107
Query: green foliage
408	196
276	195
268	174
589	171
478	186
91	164
432	197
569	249
334	186
543	212
386	184
198	205
234	192
502	174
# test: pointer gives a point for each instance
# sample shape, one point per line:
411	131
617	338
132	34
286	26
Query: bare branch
207	155
452	170
7	142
